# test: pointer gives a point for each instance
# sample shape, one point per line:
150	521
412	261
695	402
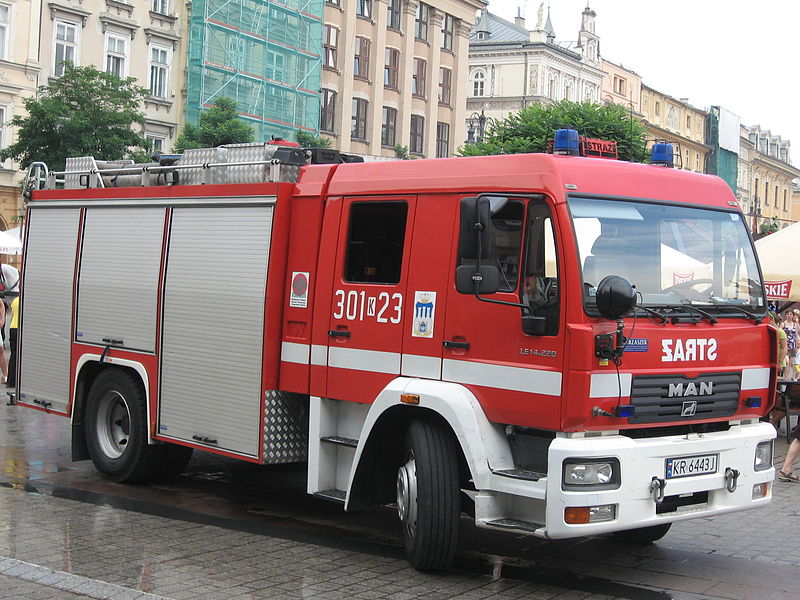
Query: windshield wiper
739	310
653	313
712	319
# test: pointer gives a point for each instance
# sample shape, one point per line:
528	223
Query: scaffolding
264	54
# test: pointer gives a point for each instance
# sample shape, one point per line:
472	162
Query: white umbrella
9	244
780	263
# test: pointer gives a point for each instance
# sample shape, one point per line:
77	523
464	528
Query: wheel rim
113	424
407	495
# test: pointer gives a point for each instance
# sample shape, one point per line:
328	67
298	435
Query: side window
375	242
505	237
540	290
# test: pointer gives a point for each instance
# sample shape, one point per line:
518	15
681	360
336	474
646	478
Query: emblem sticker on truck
299	290
424	314
689	350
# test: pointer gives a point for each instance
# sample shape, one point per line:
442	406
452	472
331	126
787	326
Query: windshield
673	255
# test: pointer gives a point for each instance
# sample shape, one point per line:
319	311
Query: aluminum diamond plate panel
285	427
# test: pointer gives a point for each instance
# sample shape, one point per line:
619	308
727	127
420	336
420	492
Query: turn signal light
409	399
580	515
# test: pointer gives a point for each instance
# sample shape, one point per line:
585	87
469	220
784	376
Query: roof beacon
662	154
566	142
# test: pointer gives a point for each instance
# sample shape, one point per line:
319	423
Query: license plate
688	466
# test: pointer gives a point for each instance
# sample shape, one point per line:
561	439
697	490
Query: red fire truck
558	346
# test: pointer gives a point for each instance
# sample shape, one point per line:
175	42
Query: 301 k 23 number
354	306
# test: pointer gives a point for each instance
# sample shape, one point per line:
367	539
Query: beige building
511	67
679	123
622	86
19	70
139	38
394	75
772	175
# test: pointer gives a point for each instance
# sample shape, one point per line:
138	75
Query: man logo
689	408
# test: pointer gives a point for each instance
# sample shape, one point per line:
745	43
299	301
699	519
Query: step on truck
554	345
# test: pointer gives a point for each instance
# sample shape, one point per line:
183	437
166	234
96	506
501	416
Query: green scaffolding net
263	54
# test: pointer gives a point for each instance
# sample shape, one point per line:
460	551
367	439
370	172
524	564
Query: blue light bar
662	154
565	141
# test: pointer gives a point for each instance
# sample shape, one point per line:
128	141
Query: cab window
375	242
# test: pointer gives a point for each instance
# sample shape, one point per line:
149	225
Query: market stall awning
779	254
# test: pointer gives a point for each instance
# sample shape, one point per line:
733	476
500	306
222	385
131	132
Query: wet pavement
228	529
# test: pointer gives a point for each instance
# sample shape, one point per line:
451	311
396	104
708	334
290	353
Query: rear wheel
644	535
116	428
428	496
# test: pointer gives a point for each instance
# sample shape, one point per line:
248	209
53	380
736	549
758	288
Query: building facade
771	180
511	67
622	86
393	75
143	39
19	71
676	121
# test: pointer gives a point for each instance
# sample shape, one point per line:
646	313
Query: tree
218	125
308	140
529	129
85	112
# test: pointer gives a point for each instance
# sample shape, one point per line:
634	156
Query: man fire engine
556	345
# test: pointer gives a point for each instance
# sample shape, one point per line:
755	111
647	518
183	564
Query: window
156	143
159	71
418	78
421	22
776	196
445	79
619	85
442	140
328	113
116	55
389	127
448	31
391	68
273	65
161	6
395	11
478	84
358	130
375	242
417	134
658	109
330	45
361	65
688	122
3	120
540	284
785	205
66	46
364	8
334	2
4	18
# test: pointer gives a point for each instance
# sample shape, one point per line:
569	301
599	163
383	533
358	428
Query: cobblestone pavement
66	533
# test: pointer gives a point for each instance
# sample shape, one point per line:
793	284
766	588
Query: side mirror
616	297
488	279
534	325
475	211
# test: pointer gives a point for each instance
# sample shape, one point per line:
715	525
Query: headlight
763	459
590	474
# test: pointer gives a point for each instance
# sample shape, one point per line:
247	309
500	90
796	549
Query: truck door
368	302
516	376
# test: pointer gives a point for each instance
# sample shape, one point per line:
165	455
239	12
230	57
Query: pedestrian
790	327
785	473
3	359
11	380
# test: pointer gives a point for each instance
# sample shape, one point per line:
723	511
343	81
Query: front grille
662	398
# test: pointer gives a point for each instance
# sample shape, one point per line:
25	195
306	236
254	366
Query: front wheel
644	535
428	496
116	428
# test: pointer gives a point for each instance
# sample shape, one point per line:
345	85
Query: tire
428	501
174	459
644	535
116	428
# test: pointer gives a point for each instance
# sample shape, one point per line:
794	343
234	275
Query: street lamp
476	124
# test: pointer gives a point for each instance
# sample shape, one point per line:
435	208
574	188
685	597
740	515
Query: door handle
342	333
452	344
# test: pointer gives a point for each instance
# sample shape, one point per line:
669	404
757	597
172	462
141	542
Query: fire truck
549	344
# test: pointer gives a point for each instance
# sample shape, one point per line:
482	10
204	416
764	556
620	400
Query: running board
332	495
340	441
513	524
519	474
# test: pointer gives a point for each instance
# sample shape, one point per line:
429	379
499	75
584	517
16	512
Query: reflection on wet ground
232	526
